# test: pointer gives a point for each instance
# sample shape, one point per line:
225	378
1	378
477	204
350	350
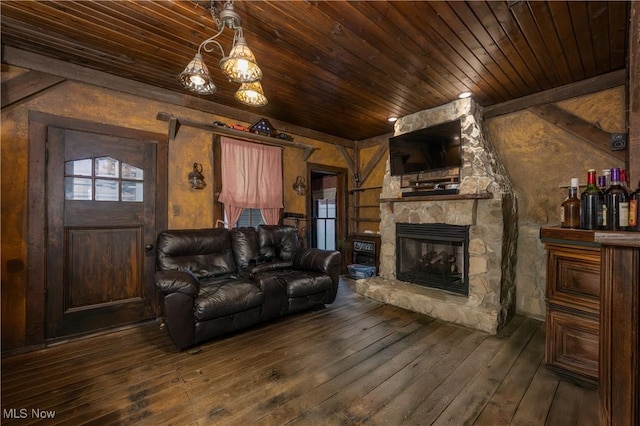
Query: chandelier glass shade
196	78
239	66
251	94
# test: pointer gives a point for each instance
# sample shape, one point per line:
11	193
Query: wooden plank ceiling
340	67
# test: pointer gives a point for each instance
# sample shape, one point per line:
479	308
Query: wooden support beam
633	94
307	153
584	87
176	122
579	128
347	159
382	149
174	126
66	70
27	84
376	140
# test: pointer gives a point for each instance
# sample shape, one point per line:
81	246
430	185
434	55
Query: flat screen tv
433	148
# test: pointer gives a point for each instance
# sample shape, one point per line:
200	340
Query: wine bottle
590	203
570	208
624	181
634	211
602	213
616	198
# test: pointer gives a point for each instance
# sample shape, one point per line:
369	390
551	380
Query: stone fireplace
481	263
433	255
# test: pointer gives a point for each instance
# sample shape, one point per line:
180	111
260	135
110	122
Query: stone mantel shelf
447	197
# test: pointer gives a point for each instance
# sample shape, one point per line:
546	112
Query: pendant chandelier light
239	66
251	94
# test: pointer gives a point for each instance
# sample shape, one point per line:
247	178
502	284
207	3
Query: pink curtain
270	216
232	214
251	178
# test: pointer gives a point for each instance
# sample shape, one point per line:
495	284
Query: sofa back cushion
246	248
205	252
278	241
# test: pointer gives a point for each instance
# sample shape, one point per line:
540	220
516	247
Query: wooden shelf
364	188
447	197
176	122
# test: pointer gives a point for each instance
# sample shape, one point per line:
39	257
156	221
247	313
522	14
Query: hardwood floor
355	362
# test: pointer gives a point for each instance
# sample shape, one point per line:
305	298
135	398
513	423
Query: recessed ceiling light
464	95
392	119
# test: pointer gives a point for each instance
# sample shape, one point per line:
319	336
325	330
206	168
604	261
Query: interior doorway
326	207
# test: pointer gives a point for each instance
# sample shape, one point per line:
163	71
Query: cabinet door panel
574	280
572	343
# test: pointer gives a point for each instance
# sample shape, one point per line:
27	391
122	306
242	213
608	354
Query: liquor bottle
607	175
616	198
570	208
590	203
634	210
602	214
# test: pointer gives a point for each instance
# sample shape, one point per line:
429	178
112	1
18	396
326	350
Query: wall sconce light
299	186
195	177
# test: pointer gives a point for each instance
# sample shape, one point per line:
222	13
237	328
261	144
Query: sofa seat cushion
299	283
221	297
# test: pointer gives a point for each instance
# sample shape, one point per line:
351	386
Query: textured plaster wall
187	208
539	157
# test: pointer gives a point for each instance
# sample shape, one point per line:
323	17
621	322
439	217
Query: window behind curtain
250	217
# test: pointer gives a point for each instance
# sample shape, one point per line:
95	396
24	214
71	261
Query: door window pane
77	188
107	167
131	172
123	182
132	191
78	167
107	190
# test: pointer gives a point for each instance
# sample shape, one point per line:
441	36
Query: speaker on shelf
618	141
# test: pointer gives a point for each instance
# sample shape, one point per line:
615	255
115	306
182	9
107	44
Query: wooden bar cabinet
573	303
593	315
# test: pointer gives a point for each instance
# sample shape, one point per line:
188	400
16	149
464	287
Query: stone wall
492	234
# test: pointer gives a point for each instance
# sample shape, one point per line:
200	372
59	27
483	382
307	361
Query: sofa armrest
174	281
313	259
268	266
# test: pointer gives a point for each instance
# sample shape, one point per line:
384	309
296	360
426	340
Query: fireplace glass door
433	255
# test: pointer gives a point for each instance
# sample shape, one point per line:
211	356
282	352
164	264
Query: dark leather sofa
215	281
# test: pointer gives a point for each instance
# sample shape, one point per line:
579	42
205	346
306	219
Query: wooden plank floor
355	362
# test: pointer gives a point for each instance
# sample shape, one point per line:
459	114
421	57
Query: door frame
39	123
341	200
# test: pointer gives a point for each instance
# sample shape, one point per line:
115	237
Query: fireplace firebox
433	255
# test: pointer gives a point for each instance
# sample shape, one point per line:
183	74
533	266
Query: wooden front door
100	231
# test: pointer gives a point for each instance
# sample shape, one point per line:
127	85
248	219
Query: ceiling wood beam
584	87
579	128
376	140
32	61
27	84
